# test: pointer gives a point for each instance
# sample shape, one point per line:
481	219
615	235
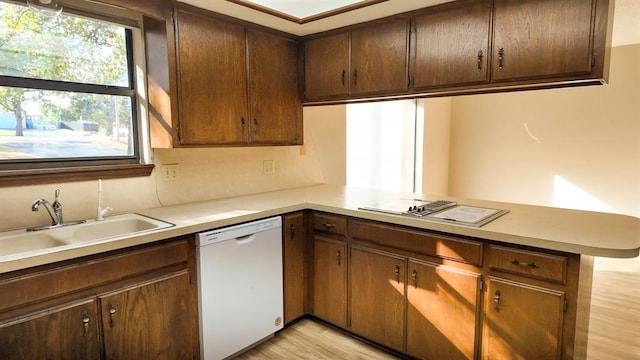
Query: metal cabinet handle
292	231
480	56
339	257
112	314
414	277
255	125
355	77
496	299
243	123
327	225
396	272
532	265
501	58
85	323
344	75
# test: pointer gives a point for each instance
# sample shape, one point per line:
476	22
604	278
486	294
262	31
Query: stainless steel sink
14	244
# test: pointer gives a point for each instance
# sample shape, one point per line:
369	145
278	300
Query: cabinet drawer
333	224
59	279
422	242
528	263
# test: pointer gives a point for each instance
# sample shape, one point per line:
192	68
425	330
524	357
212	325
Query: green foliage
45	45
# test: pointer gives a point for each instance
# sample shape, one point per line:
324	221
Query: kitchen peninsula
539	256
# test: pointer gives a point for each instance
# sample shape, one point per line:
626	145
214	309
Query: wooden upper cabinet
274	104
235	85
379	58
212	80
452	45
327	71
537	39
462	47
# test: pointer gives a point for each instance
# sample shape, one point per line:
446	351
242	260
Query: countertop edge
513	228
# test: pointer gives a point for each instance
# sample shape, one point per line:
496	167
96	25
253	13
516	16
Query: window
382	139
67	88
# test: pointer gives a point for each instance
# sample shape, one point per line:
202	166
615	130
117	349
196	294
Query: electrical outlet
268	167
169	172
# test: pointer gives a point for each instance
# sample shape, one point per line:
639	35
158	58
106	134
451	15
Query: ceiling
626	23
301	9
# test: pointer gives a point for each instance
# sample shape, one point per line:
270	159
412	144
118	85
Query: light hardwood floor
307	340
614	329
614	325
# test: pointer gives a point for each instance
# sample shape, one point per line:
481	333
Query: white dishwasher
240	286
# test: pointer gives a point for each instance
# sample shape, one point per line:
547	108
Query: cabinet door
535	38
294	246
151	320
377	296
441	312
379	58
330	280
64	332
452	45
275	107
522	321
326	67
212	80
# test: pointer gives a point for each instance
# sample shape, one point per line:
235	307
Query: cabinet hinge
565	305
593	59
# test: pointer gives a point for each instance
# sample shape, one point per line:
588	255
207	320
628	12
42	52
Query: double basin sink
18	243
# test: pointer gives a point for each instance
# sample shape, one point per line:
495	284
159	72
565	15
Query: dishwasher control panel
238	231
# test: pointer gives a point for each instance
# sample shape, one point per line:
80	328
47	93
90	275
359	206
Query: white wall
326	128
573	147
436	149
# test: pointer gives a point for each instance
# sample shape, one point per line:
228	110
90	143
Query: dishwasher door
240	286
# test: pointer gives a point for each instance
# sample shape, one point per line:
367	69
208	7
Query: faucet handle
57	206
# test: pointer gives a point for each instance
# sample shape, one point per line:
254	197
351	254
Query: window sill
70	174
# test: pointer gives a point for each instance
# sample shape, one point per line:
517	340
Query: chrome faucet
53	212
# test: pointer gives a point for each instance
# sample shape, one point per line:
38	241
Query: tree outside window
66	86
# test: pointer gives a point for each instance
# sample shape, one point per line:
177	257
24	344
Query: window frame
42	171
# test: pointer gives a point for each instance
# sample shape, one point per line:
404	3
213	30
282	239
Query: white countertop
582	232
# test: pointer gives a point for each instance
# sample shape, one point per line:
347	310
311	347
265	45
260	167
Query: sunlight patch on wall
570	196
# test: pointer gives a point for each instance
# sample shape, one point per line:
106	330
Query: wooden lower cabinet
68	331
443	304
378	296
522	321
294	246
137	303
330	280
146	321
